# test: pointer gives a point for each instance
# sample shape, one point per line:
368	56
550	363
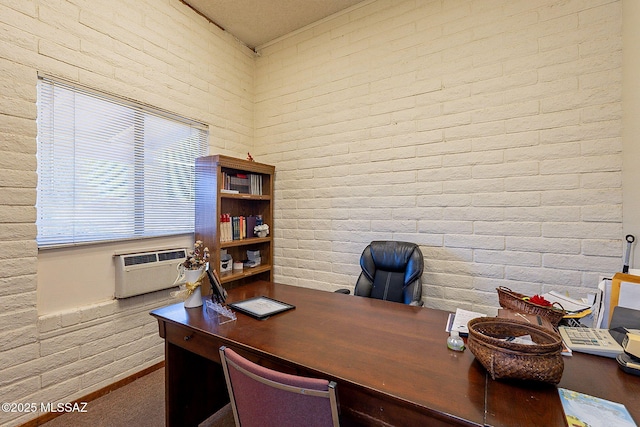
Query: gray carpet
140	404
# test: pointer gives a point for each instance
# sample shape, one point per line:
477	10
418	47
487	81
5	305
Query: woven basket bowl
507	360
514	301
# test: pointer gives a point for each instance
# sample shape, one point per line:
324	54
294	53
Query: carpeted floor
140	404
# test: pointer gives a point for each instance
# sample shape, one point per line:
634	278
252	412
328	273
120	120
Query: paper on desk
524	339
461	319
593	411
569	304
594	319
602	319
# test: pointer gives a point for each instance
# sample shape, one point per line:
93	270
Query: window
110	169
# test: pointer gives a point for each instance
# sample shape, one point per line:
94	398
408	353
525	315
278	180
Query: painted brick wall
158	52
489	132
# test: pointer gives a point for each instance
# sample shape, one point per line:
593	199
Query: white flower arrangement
261	230
196	258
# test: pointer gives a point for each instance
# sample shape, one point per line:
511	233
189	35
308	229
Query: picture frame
218	293
261	307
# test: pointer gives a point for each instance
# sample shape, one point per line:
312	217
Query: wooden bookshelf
212	176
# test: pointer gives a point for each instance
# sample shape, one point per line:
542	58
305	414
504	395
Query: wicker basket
514	301
507	360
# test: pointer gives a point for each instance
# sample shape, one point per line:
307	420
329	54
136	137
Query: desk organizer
507	360
515	301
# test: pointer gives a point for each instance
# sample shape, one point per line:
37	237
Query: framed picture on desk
261	307
219	294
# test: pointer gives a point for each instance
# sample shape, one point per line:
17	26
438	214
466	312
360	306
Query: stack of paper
575	309
458	321
569	304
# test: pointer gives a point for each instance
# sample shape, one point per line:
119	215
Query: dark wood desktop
390	361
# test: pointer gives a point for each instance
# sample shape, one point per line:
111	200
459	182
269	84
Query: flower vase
191	277
262	234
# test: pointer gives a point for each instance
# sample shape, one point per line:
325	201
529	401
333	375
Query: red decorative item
537	299
249	157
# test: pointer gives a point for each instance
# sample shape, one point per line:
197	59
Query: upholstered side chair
263	397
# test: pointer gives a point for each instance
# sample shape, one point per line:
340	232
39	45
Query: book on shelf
238	227
239	182
234	183
226	234
251	223
256	184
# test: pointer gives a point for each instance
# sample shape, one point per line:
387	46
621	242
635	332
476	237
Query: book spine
251	223
236	228
225	227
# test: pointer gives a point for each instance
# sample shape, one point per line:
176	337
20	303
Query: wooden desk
390	362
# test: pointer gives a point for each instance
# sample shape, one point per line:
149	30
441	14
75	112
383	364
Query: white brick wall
157	52
489	132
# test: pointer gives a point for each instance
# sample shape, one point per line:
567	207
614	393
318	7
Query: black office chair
391	271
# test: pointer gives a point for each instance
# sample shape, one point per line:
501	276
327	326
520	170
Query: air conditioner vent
165	256
140	259
140	273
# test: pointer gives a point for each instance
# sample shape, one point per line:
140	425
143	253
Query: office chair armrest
343	291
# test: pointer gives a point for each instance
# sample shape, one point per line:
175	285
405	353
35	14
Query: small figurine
249	157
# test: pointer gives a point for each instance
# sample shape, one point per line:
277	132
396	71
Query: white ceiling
256	22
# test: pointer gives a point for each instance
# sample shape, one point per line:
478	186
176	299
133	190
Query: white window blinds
109	169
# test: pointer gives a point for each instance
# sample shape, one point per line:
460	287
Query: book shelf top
240	165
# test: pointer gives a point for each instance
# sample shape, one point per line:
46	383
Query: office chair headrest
394	256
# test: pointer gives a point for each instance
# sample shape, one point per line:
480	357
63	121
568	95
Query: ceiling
256	22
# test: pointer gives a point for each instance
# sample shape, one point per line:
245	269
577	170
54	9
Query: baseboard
96	394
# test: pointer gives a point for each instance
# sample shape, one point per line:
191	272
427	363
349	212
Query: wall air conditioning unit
143	272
